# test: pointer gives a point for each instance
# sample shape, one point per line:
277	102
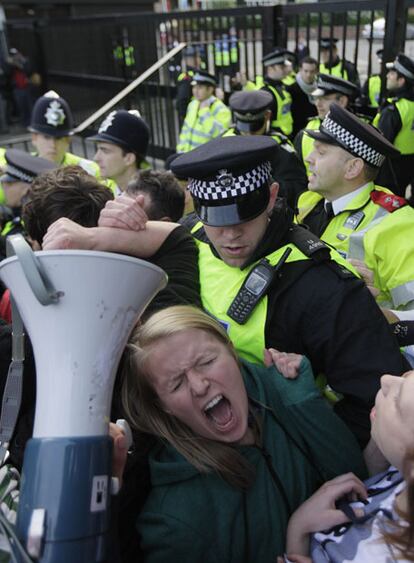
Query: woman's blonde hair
401	535
143	407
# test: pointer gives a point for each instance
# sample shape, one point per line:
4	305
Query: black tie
319	217
329	210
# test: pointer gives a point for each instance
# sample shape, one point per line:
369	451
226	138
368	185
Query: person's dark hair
139	158
167	196
65	192
309	61
371	172
402	534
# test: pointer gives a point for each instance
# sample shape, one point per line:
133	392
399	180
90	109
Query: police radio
254	287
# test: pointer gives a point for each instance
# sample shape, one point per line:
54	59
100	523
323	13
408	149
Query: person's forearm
296	540
141	244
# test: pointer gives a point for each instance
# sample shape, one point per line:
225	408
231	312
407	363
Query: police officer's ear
130	158
354	167
274	190
342	101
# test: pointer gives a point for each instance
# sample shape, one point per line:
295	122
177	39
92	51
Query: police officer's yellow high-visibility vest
283	119
337	70
404	141
289	79
185	75
374	90
15	223
125	54
202	125
373	228
307	142
256	85
88	165
219	285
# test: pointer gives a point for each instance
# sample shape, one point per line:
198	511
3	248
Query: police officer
329	89
51	125
121	146
207	117
21	169
361	220
395	120
371	90
252	116
275	71
332	64
273	285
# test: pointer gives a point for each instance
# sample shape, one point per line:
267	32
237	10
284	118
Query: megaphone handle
32	269
46	294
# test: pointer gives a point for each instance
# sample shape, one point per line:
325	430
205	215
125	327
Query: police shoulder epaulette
308	243
390	202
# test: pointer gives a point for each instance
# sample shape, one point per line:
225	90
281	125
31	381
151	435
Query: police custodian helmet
52	116
126	129
228	178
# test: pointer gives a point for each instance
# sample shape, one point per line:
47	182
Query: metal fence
89	59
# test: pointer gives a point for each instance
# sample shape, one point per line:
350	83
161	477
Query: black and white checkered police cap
24	167
404	65
229	177
342	128
330	84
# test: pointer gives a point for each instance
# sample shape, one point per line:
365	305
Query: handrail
118	97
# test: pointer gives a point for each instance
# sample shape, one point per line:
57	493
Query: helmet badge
107	122
54	114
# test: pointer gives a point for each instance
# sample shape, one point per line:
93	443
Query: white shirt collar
340	204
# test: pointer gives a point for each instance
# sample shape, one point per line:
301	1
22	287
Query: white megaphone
91	301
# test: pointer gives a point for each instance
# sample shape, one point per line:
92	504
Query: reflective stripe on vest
197	129
284	119
219	286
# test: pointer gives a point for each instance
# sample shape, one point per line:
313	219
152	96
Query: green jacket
198	518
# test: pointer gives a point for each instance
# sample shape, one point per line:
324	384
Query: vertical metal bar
357	33
344	37
319	35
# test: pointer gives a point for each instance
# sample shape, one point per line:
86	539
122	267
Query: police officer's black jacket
317	309
399	172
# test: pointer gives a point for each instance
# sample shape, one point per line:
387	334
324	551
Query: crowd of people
269	385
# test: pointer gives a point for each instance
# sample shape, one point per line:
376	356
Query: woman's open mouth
219	413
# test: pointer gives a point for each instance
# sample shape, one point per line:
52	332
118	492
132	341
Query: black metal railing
89	59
